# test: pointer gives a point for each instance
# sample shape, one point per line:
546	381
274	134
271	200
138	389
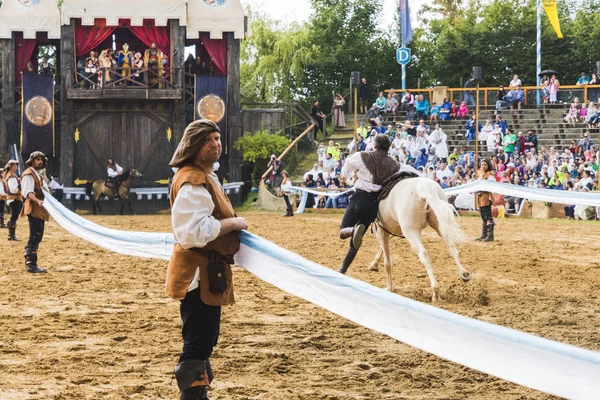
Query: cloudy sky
300	10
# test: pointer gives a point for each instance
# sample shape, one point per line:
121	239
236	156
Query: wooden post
234	110
67	139
177	61
294	201
289	148
8	96
355	118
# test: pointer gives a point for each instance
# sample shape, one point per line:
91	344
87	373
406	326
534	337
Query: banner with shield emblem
37	114
211	100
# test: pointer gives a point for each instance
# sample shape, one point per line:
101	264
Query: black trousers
486	214
361	208
2	204
15	210
287	200
201	325
36	233
58	194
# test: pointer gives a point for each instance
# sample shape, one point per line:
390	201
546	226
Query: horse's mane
125	175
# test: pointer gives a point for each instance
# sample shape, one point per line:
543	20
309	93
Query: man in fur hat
31	186
207	233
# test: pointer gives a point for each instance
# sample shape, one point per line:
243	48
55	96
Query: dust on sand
99	326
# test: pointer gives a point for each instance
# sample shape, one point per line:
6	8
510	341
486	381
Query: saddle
390	182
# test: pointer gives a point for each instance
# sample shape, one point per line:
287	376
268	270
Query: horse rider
199	273
32	184
373	169
14	199
113	170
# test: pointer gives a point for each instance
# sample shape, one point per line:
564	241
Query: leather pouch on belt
217	282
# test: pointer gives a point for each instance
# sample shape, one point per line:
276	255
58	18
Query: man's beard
38	168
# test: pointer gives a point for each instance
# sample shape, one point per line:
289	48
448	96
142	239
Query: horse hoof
373	267
466	277
436	296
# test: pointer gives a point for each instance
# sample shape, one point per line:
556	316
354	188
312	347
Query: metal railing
489	95
119	78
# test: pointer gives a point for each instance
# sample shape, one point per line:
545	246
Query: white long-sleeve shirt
28	184
112	173
2	191
193	223
354	163
13	186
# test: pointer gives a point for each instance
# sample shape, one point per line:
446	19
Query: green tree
257	147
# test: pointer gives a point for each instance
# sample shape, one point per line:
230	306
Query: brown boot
483	232
192	376
490	234
345	233
350	255
11	234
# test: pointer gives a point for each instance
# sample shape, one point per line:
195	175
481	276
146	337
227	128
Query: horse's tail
88	190
444	212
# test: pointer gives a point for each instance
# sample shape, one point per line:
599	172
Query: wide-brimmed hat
34	155
9	163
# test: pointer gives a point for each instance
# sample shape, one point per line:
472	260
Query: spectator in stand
333	151
586	142
583	79
573	114
362	131
515	97
329	161
583	112
500	103
531	142
318	115
591	112
502	124
411	147
445	110
381	103
453	110
545	92
373	115
470	128
339	118
520	143
434	112
462	110
515	81
423	129
437	139
493	139
455	155
444	172
313	172
407	100
421	160
485	132
469	100
391	105
333	187
554	86
422	107
364	93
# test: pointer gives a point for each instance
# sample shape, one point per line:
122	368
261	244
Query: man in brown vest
31	185
207	233
371	170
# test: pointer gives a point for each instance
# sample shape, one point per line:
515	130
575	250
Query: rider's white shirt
112	173
354	163
191	216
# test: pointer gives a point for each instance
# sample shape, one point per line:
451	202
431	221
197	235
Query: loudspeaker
355	78
598	68
477	74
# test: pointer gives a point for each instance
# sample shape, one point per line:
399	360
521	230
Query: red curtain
149	34
217	50
23	49
87	38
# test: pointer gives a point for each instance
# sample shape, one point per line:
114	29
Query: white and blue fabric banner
549	366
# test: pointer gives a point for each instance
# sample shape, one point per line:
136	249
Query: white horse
412	205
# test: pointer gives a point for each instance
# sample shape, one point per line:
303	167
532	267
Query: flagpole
539	48
403	77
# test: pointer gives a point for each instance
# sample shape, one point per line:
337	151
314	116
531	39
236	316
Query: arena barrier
549	366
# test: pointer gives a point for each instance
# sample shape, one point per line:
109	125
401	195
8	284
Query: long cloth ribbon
549	366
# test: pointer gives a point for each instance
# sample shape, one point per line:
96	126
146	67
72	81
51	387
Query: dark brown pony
98	190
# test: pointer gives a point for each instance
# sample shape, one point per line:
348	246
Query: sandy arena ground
99	326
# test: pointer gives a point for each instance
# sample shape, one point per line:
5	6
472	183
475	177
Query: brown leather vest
30	207
184	262
13	196
484	198
380	165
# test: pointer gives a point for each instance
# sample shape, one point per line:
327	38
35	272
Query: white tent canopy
135	10
215	17
29	17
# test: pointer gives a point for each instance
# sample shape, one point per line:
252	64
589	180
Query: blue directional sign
403	55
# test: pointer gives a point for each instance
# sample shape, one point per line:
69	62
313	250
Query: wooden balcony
166	85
